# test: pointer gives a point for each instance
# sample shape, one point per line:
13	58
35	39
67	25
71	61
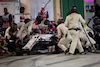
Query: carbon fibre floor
55	60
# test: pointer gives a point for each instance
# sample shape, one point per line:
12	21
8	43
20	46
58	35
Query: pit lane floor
54	60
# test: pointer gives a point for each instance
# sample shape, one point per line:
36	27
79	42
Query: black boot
82	53
67	50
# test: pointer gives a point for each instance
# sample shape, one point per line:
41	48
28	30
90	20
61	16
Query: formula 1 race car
41	43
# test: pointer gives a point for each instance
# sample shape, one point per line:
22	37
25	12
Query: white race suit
24	29
72	22
64	36
84	34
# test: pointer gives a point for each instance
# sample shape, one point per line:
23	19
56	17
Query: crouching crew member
11	31
25	29
11	37
1	37
63	35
